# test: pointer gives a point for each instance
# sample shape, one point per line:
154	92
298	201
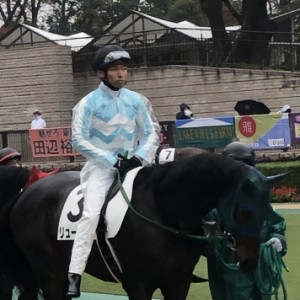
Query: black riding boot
74	285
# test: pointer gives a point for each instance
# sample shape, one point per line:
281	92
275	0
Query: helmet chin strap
110	85
103	76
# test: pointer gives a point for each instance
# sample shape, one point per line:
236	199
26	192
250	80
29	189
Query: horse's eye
243	215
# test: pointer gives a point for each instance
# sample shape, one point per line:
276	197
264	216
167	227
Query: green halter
243	210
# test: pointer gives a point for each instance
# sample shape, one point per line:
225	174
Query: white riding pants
95	183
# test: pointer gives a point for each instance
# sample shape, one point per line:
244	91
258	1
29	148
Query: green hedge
288	188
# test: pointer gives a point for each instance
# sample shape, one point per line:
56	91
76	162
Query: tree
156	8
257	30
93	16
63	13
188	10
12	12
251	45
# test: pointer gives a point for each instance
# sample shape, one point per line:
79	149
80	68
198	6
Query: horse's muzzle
247	252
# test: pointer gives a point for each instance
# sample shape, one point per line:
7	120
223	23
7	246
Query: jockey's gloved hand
276	243
135	162
124	164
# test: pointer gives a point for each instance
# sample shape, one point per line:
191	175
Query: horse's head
12	180
242	214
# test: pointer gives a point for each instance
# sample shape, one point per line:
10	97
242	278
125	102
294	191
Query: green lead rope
268	274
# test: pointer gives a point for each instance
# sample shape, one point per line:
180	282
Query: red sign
49	142
247	126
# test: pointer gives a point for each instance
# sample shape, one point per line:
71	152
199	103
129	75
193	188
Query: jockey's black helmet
7	154
240	151
109	55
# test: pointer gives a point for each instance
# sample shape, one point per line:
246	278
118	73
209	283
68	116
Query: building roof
288	15
135	24
23	34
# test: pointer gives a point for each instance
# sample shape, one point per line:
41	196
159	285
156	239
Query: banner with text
204	132
295	128
166	138
264	131
50	142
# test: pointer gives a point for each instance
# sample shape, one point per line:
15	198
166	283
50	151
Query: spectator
10	157
285	109
184	113
38	122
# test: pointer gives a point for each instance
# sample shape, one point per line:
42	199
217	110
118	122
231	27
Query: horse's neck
188	204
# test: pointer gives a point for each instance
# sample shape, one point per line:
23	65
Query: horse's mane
209	175
204	167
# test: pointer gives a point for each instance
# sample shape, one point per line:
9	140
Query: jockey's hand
124	164
135	162
276	243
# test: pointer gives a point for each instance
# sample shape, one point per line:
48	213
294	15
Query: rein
167	228
268	274
273	264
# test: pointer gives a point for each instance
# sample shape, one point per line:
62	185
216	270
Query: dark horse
157	254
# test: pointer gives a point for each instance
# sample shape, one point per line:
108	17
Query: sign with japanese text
49	142
58	141
295	127
264	131
205	132
166	138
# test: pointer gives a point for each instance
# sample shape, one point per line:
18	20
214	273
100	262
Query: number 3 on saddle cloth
111	218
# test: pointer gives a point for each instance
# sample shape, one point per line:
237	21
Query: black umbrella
251	107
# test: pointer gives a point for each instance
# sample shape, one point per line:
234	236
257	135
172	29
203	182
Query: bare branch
233	11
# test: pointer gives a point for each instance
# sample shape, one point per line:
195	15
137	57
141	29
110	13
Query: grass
291	278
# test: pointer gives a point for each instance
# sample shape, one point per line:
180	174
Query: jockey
241	151
108	124
11	157
225	282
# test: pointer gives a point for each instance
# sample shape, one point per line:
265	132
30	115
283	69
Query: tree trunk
221	41
251	45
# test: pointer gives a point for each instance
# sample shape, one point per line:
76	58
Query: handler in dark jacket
226	281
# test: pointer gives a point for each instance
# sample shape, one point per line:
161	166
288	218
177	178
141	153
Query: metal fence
19	139
169	47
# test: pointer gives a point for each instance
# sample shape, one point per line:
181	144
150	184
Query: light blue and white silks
107	123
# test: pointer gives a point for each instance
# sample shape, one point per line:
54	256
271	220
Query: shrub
288	188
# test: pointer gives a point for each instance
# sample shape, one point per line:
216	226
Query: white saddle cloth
115	212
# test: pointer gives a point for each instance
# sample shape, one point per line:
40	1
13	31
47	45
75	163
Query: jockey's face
117	75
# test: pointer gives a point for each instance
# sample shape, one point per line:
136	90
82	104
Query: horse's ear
275	178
